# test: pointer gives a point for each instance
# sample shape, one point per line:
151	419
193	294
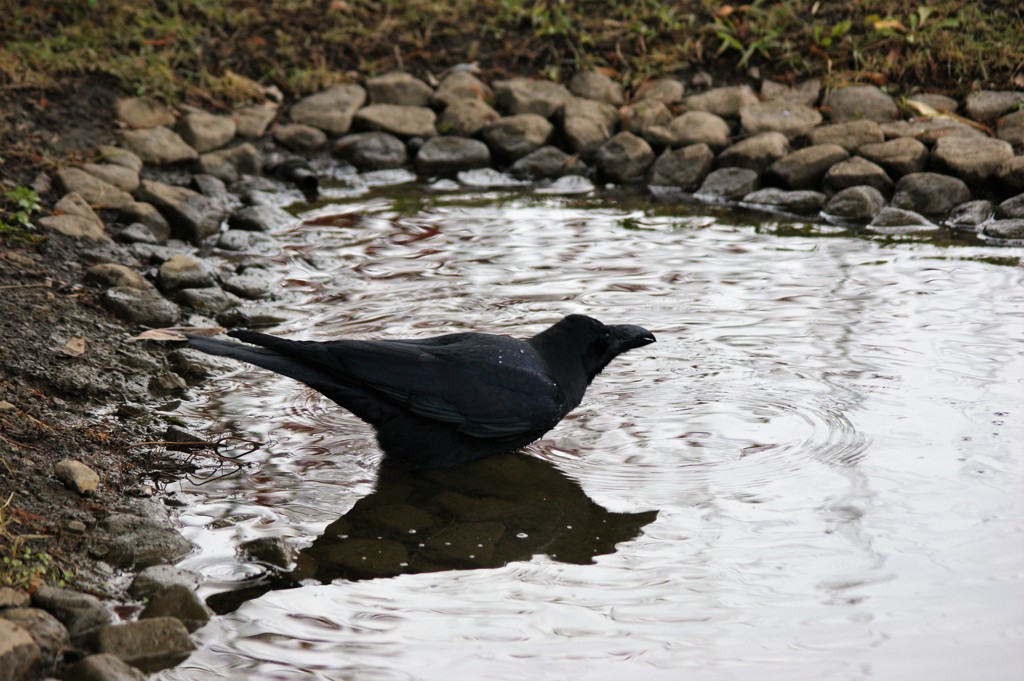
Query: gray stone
253	282
969	216
1004	232
729	184
638	117
159	146
803	202
692	127
144	308
372	151
1010	128
778	115
234	240
596	86
13	598
857	204
274	551
140	112
726	102
1011	174
112	274
975	160
300	137
938	102
46	630
804	169
466	117
513	137
331	110
755	153
229	164
102	667
898	157
530	96
183	271
147	215
892	220
261	218
856	171
929	193
987	105
155	579
587	124
625	157
209	301
73	226
192	216
120	176
96	192
77	611
76	476
252	121
547	162
445	156
137	541
20	657
398	87
462	85
1011	208
930	130
179	602
205	131
685	168
403	121
666	90
806	93
150	644
860	101
848	134
112	155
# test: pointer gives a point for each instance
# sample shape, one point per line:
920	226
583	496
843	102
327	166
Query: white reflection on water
831	430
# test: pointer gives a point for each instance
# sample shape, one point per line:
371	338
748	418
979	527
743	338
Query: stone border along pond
850	157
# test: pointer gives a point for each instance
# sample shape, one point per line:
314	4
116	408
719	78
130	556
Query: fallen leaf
177	333
75	347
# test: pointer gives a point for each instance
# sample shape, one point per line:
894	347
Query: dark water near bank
816	473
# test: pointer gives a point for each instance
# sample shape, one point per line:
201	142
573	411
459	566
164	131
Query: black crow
438	402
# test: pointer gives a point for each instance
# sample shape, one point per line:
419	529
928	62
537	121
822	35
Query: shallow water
829	430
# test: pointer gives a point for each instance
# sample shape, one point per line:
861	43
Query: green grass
192	48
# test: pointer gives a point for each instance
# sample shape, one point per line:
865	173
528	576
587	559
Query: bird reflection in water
483	514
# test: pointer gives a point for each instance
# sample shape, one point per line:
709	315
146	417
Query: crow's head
590	342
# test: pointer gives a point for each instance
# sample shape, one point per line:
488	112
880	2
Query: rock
929	193
445	156
159	146
898	157
205	131
300	137
331	110
856	171
987	105
513	137
210	301
693	127
804	169
398	87
181	603
182	271
1004	232
969	216
145	308
929	130
806	93
729	184
73	226
974	160
940	103
403	121
466	118
253	120
254	282
372	151
638	117
596	86
139	542
112	155
102	667
192	216
150	644
229	164
112	274
685	168
1011	129
273	551
547	162
587	124
77	611
234	240
1011	208
1011	174
755	153
13	598
94	191
850	135
891	220
856	204
76	476
803	202
665	90
778	115
140	112
46	630
147	215
726	102
462	85
117	175
20	657
860	101
155	579
530	96
625	157
261	218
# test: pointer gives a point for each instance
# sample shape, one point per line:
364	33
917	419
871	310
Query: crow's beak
627	336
